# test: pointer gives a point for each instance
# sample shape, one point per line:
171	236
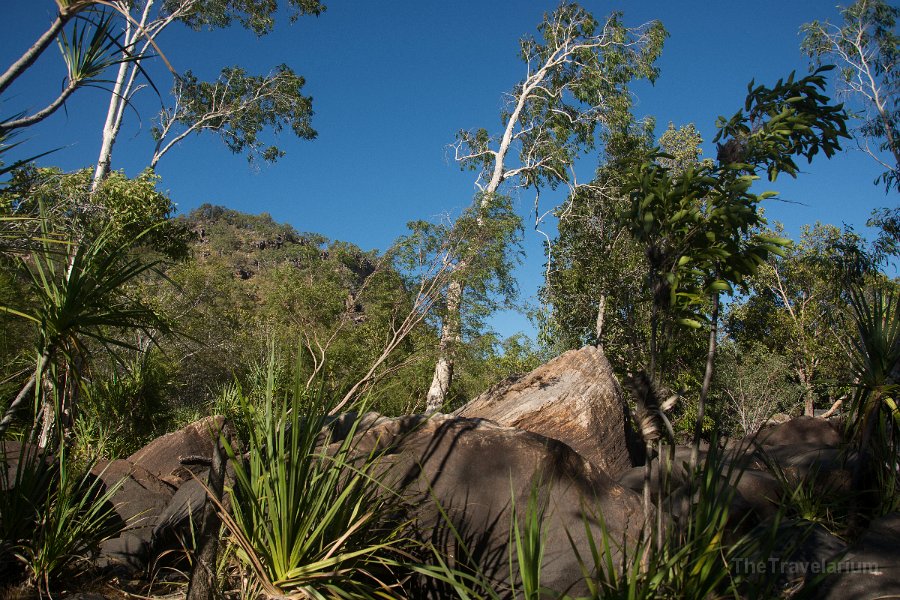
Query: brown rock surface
163	456
138	502
575	399
473	467
800	430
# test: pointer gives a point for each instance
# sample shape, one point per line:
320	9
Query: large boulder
800	430
176	457
575	399
161	492
473	469
756	493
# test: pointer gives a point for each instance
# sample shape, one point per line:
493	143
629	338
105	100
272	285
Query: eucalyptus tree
698	225
598	272
866	49
236	105
793	304
576	80
96	36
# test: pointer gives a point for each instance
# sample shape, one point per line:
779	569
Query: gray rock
871	568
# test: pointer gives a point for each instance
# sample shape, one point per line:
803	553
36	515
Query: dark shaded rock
757	493
800	430
871	567
141	496
137	503
473	467
788	553
128	553
172	525
576	399
170	457
13	453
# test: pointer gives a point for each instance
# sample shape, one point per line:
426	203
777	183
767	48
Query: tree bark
450	337
707	381
601	313
809	398
42	114
111	126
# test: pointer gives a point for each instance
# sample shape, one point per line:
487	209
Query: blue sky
391	84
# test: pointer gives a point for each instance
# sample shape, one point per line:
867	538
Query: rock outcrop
573	398
472	468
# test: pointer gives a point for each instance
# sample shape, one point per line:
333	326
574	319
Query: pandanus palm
874	421
81	296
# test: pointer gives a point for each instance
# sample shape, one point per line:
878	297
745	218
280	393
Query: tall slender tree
576	80
698	224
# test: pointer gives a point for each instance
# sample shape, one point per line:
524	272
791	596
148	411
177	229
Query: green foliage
121	208
702	554
596	260
527	538
308	519
874	419
122	410
250	280
256	15
238	107
795	305
53	515
80	293
791	119
555	112
886	246
754	383
812	497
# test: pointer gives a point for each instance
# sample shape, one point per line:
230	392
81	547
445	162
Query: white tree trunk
450	337
110	128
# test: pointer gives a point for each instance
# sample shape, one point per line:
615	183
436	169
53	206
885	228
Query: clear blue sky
393	81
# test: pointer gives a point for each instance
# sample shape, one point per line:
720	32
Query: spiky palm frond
91	49
875	352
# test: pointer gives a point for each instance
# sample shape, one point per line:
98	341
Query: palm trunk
707	381
32	54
